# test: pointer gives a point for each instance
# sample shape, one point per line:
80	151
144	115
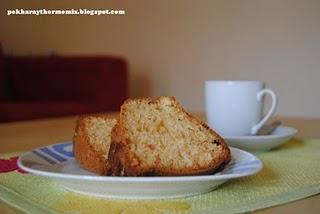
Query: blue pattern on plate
52	154
40	155
55	153
62	149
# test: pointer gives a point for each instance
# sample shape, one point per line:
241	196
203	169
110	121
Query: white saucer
263	142
57	162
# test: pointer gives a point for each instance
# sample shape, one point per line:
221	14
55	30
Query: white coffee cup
235	108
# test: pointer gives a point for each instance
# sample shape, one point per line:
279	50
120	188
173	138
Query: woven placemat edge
20	203
268	203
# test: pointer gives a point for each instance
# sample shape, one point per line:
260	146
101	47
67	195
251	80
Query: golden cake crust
89	156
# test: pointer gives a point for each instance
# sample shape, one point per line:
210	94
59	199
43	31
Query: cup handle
258	126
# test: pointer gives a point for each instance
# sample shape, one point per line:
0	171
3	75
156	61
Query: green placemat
290	172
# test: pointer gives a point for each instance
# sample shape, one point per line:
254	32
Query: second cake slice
91	142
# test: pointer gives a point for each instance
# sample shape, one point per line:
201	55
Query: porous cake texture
159	138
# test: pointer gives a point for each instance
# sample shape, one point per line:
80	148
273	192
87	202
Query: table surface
22	136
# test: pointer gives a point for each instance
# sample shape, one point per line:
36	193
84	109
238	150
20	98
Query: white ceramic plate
57	162
264	142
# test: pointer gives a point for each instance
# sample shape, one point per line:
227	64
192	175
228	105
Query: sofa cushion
3	84
97	80
14	111
57	86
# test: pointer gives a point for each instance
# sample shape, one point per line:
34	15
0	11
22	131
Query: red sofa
50	86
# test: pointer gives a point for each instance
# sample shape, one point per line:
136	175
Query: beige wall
174	46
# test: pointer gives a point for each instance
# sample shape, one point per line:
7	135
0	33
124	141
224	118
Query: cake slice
161	138
91	142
